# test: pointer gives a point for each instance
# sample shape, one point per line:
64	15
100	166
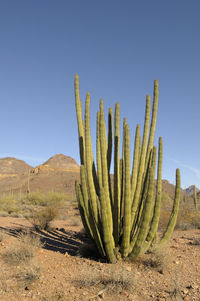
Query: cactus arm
153	121
172	221
98	152
116	208
103	147
142	159
110	138
127	196
123	168
135	161
195	197
89	159
83	211
121	173
145	219
84	188
109	151
79	120
108	239
156	214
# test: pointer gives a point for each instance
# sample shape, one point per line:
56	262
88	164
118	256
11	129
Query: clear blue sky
118	48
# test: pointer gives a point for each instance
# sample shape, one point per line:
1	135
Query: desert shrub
36	198
9	205
3	213
114	280
23	250
56	198
28	274
188	218
41	218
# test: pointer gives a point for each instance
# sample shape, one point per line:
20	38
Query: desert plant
122	223
195	197
114	280
28	274
41	218
23	250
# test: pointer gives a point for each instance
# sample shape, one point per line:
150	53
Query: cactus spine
121	219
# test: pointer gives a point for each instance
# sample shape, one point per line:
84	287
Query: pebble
128	268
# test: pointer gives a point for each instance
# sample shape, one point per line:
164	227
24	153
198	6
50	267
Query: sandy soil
64	275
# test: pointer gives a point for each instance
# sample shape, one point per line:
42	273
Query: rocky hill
13	166
58	173
190	190
63	162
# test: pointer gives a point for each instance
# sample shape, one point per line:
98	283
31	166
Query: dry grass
113	281
26	275
2	236
23	250
19	205
18	264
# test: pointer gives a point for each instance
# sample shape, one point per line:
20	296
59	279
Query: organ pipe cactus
195	197
121	216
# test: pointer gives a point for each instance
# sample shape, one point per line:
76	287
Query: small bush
114	280
41	219
36	198
23	250
28	274
188	218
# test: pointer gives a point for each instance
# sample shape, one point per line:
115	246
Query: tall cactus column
121	218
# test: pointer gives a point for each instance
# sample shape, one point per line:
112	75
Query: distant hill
190	190
13	166
58	173
62	161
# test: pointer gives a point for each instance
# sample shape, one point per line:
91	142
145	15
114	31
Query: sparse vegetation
188	218
23	250
20	263
36	204
114	281
42	218
28	274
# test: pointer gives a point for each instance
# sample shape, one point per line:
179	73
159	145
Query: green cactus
195	197
121	218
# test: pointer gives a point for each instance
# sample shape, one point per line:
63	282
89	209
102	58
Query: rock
128	268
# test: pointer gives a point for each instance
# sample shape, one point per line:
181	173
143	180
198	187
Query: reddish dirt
67	276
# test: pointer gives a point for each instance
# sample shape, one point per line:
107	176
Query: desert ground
64	267
59	263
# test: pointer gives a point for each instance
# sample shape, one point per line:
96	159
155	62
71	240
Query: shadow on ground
58	240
